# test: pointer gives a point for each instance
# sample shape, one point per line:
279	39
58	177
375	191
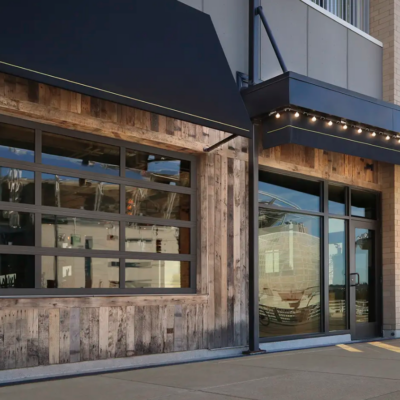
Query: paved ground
356	372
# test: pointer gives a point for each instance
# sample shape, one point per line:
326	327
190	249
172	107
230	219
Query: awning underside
300	110
161	56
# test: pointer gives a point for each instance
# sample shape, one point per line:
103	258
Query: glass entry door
365	315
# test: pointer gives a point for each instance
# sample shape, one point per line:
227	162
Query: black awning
323	116
160	55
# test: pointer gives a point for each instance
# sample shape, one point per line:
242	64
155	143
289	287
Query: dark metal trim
254	330
220	143
38	210
254	43
271	37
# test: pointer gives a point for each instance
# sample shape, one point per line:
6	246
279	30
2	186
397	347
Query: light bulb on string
313	119
297	115
277	115
344	126
360	130
387	137
330	123
373	134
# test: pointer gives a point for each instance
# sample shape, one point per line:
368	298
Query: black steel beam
220	143
254	43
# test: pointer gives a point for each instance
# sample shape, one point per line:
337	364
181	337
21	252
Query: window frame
325	216
37	251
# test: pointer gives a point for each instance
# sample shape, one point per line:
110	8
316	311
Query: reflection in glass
17	228
79	272
69	152
288	192
79	233
79	193
337	275
157	239
157	168
363	204
365	268
157	203
17	143
289	273
157	274
17	185
17	271
337	200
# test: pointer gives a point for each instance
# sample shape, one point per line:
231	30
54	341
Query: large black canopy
160	55
320	115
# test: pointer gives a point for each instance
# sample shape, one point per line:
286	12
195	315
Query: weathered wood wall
41	331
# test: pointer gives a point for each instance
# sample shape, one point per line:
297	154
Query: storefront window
289	273
94	217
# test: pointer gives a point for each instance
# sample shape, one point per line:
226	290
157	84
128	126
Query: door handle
353	280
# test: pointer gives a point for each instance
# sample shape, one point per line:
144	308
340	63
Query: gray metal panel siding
230	18
327	49
288	21
364	66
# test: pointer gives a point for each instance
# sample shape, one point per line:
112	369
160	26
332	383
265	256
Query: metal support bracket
218	144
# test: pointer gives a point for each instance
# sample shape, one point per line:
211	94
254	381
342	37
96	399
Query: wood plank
230	258
18	339
2	314
120	348
10	339
217	254
54	336
75	332
103	332
97	302
33	337
65	343
85	334
169	329
43	337
178	331
130	331
224	252
94	334
112	331
211	247
156	340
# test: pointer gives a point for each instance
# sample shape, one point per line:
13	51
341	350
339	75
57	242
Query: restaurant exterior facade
126	242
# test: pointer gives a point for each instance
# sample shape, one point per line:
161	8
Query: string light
344	125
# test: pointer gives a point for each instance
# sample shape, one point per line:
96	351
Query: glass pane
69	152
337	275
17	228
156	168
157	239
365	268
288	192
157	203
289	273
80	272
79	193
17	185
157	274
337	200
17	143
79	233
363	204
17	271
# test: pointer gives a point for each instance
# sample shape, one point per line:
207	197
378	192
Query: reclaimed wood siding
43	331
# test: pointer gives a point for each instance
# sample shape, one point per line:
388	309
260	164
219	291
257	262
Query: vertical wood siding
55	331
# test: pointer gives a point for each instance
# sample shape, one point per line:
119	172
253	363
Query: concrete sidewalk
360	371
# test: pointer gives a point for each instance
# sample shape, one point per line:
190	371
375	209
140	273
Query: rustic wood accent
42	331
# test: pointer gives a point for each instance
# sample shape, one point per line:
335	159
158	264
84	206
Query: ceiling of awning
161	56
296	109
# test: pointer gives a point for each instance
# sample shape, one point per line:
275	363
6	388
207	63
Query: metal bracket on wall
218	144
